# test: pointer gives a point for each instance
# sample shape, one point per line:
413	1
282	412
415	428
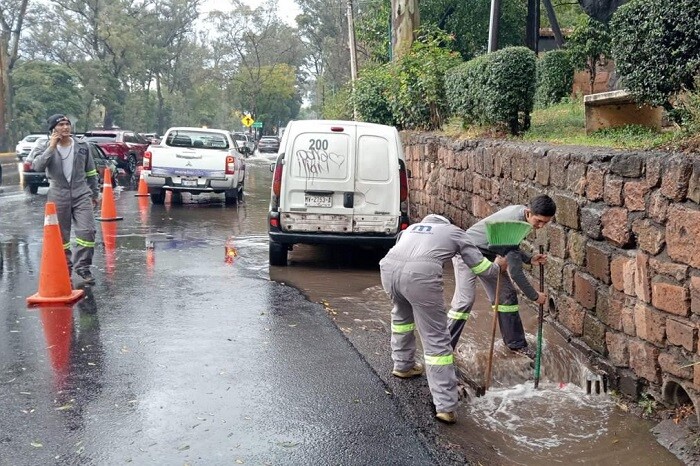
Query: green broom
503	237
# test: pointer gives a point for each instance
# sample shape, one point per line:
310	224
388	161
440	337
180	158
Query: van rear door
319	186
376	203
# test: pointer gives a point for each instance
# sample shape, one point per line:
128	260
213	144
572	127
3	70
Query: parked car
337	182
245	142
268	144
24	147
125	147
152	138
33	180
194	160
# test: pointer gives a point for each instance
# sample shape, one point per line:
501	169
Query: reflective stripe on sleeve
445	360
66	245
454	315
506	307
402	328
85	244
91	173
481	267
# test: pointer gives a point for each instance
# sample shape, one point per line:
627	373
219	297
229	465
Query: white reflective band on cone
51	219
106	185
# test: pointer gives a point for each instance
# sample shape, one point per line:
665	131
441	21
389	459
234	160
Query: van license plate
189	182
315	200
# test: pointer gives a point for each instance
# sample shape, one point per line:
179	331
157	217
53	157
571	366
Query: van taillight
404	225
147	160
230	165
403	184
277	180
27	166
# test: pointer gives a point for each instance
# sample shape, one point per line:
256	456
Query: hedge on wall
498	88
656	47
555	78
371	90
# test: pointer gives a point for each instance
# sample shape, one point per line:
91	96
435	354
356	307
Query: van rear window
321	155
373	159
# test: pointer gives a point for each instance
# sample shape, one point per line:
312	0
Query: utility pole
493	25
353	55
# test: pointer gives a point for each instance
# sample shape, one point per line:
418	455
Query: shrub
417	95
511	87
371	90
497	88
656	48
555	78
338	106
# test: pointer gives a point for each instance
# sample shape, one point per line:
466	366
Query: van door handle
348	200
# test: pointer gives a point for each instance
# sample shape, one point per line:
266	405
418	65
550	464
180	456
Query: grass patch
564	123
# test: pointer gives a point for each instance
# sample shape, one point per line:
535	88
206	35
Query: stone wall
624	251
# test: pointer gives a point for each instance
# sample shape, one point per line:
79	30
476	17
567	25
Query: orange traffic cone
57	321
109	238
109	210
54	280
143	187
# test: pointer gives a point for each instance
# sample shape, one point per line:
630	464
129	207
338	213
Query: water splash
533	418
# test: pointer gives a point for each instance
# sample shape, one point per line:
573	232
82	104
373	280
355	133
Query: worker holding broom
411	275
540	212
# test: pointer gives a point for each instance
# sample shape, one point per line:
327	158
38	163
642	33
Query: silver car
24	147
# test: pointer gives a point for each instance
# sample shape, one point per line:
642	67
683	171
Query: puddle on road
558	423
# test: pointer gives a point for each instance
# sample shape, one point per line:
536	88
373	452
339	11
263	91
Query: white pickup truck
194	160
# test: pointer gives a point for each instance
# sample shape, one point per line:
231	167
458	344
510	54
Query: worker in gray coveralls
73	187
540	212
411	274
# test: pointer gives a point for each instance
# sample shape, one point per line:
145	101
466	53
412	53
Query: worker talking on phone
73	187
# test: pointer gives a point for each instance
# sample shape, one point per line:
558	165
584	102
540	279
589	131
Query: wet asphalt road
177	357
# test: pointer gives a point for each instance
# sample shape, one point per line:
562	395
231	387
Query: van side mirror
272	167
408	173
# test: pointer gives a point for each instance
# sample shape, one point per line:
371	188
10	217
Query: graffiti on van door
316	160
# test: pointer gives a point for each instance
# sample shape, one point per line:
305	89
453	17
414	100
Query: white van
337	182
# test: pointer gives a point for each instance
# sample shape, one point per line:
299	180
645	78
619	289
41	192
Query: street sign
258	124
247	121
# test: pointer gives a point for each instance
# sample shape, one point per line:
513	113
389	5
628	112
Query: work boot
417	369
87	277
525	351
446	417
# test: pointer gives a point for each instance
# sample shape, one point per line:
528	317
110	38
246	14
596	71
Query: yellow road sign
247	121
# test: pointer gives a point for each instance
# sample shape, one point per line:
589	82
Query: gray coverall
509	321
73	200
411	274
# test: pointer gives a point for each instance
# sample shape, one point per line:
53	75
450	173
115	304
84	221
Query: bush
555	78
417	93
656	48
371	90
498	88
338	106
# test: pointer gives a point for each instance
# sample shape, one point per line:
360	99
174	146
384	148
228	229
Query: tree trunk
4	91
9	46
405	20
161	106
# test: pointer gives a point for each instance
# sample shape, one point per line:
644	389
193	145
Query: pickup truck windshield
197	140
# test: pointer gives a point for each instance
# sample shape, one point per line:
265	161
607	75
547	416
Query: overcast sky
287	9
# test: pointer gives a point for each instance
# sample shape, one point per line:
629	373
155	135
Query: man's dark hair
543	205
